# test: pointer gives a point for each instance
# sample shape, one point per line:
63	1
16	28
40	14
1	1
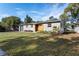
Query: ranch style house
41	26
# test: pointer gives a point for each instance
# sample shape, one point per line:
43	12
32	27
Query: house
41	26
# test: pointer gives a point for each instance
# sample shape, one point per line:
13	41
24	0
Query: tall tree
11	22
28	19
2	29
73	9
64	18
51	18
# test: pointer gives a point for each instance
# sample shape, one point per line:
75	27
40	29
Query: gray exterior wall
46	28
28	27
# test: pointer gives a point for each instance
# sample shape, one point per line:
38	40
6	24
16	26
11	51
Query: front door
40	27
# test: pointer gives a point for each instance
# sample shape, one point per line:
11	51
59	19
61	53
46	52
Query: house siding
25	27
46	28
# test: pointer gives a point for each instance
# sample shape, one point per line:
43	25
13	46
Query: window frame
49	25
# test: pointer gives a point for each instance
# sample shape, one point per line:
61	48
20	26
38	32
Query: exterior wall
46	28
28	27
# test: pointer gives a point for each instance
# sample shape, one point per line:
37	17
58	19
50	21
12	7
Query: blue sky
38	11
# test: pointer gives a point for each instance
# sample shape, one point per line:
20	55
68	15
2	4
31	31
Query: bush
55	29
2	29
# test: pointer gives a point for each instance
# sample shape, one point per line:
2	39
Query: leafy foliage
28	19
51	18
11	22
73	8
64	18
72	11
2	29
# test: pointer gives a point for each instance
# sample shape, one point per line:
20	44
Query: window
49	25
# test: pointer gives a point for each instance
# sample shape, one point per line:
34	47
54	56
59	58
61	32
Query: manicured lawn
37	44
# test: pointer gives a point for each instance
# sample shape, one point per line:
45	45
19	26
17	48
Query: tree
73	8
51	18
28	19
2	29
64	18
11	22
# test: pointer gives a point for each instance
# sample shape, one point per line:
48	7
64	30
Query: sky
37	11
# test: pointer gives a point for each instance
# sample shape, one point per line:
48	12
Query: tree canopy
51	18
63	16
28	19
11	22
71	12
73	8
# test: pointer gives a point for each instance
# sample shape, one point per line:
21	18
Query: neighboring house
40	26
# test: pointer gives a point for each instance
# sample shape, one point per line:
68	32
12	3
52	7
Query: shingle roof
43	22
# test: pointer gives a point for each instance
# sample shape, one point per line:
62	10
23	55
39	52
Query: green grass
37	44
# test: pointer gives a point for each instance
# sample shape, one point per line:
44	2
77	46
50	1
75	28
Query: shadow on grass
39	46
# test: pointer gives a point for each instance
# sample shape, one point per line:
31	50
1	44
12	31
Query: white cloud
56	14
18	8
55	11
20	12
34	14
3	15
37	12
51	13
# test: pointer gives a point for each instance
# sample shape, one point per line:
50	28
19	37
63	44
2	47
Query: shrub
2	29
55	29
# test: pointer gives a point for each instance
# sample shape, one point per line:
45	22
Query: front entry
39	27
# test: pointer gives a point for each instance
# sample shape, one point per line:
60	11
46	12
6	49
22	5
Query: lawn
38	44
